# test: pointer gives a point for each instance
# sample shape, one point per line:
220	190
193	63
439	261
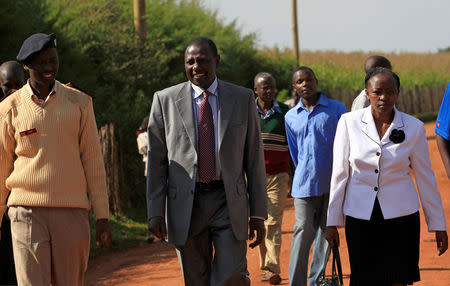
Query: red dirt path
157	264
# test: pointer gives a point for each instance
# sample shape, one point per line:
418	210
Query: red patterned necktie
206	143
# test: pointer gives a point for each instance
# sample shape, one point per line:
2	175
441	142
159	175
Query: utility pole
295	31
139	19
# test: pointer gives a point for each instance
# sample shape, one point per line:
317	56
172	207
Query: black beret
34	44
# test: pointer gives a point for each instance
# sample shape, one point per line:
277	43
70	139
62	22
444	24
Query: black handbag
336	278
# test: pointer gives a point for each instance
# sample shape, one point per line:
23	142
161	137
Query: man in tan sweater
52	168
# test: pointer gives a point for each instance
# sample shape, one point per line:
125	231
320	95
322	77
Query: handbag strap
333	267
336	264
337	261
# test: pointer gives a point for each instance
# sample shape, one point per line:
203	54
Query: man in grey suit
206	171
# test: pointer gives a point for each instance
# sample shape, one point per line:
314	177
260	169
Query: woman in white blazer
371	187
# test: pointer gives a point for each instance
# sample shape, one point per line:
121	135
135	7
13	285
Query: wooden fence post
110	157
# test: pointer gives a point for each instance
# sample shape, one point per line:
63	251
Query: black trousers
7	270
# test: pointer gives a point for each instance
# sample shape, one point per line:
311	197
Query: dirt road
157	264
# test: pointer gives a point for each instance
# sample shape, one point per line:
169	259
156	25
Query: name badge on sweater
28	132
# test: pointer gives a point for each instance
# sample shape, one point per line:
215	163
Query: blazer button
375	189
192	192
376	171
378	153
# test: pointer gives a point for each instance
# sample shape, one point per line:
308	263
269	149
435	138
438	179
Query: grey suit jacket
173	157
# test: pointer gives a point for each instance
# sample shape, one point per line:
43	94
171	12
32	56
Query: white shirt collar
198	90
32	92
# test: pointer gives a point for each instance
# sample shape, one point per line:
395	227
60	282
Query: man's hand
332	236
144	150
441	241
157	226
103	234
256	224
444	149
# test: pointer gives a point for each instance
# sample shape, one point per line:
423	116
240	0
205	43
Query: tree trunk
139	19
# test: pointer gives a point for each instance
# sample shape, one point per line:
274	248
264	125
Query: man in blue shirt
310	129
442	130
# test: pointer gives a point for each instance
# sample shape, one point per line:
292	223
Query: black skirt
383	252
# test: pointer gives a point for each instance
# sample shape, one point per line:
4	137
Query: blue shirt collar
323	100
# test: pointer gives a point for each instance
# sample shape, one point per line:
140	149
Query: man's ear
367	94
217	61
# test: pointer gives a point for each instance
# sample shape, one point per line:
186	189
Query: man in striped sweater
276	156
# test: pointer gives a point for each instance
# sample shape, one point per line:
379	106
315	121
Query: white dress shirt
366	167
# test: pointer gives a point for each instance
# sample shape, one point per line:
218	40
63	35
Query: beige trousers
269	250
51	245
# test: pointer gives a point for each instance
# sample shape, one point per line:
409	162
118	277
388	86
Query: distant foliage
445	50
346	70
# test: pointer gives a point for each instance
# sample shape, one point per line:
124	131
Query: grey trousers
212	255
310	223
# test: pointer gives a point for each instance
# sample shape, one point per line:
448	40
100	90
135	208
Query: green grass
126	232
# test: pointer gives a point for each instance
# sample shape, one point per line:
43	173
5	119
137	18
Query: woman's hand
441	241
332	236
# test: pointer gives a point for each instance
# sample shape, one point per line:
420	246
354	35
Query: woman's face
382	93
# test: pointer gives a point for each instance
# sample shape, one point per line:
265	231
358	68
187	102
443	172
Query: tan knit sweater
50	156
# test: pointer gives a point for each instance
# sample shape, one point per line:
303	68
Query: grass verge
126	232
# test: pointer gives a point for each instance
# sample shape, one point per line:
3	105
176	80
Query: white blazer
365	167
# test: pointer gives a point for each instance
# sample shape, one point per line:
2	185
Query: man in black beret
51	172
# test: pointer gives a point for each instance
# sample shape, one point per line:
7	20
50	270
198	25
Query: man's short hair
264	75
376	61
204	42
305	68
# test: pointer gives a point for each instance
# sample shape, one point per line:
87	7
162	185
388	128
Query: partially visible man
310	129
442	130
276	156
52	169
206	171
11	77
361	101
142	143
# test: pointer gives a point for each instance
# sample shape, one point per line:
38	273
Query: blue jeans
310	223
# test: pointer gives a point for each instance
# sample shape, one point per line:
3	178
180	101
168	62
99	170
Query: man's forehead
198	48
3	73
265	79
303	73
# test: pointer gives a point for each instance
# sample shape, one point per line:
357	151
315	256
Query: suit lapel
225	110
368	126
185	107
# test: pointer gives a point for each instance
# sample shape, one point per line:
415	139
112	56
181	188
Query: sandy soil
157	264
